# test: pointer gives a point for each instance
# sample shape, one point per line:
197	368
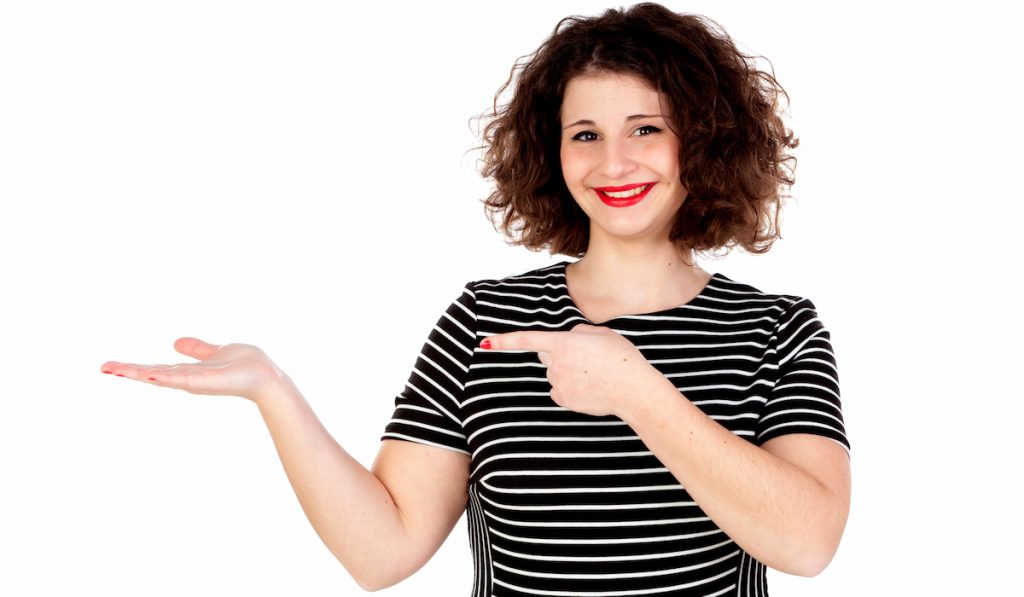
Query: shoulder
533	282
540	274
534	299
790	321
731	296
545	284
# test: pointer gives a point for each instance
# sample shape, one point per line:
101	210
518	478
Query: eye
645	130
585	136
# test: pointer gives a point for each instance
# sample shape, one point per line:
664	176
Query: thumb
195	348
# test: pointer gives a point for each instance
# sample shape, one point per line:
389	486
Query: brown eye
647	130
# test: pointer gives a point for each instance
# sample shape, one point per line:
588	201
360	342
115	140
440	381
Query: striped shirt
567	504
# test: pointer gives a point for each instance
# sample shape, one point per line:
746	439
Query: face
619	158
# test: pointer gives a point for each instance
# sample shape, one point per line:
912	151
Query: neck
637	275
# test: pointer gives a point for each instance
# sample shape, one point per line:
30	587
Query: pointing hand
592	369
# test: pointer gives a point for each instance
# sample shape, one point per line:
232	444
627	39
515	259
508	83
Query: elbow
369	578
372	584
808	550
813	558
820	542
371	587
374	572
375	576
805	564
811	564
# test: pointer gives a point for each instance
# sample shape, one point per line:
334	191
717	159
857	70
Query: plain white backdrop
297	176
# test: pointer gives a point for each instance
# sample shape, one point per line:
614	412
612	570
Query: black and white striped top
566	504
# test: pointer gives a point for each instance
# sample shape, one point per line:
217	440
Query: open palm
230	369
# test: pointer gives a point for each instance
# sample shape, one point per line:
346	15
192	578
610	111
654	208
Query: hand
231	369
592	370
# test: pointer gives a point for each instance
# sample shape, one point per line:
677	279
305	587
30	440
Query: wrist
650	400
276	390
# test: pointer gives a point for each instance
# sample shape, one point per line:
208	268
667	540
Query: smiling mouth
625	195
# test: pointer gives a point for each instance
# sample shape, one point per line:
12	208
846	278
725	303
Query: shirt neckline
565	293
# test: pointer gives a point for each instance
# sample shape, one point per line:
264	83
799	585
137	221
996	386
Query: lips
625	195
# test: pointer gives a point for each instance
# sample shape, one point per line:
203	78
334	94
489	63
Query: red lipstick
602	194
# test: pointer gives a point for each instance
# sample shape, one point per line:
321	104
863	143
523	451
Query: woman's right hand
230	369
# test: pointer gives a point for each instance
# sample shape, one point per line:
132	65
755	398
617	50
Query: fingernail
486	343
151	378
119	375
108	372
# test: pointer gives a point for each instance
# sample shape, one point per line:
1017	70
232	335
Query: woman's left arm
785	502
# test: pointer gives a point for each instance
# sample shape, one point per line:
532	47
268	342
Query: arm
385	525
381	525
785	503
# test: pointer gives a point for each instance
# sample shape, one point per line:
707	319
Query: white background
295	175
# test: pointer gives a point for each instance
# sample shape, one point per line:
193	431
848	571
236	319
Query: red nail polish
151	378
119	375
108	372
485	344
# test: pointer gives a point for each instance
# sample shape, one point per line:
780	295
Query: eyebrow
586	122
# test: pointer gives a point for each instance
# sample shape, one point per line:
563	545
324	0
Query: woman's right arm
383	524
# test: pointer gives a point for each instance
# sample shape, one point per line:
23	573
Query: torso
562	503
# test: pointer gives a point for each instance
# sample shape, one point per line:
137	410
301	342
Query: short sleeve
805	397
429	408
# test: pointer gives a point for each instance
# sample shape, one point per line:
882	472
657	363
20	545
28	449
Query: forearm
776	511
350	509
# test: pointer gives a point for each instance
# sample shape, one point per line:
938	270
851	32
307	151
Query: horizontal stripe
506	380
401	421
799	424
492	412
572	473
492	396
420	440
644	557
607	541
590	507
566	490
416	408
495	427
597	525
520	455
622	593
645	574
559	438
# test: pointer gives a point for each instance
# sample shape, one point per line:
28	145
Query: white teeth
627	194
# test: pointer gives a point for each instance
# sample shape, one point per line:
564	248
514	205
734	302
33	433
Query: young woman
621	424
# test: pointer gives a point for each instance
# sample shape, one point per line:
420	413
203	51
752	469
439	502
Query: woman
624	424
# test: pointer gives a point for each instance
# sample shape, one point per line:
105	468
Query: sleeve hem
423	442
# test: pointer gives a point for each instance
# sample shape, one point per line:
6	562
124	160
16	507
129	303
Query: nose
617	160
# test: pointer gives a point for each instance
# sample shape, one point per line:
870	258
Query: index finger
535	341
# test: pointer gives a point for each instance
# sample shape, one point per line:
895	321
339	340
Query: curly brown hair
734	151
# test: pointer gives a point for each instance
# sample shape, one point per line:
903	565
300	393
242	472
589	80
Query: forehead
608	96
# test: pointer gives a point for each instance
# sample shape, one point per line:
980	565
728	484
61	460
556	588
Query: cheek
664	157
575	164
671	157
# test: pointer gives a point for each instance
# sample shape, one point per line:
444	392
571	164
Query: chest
513	425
